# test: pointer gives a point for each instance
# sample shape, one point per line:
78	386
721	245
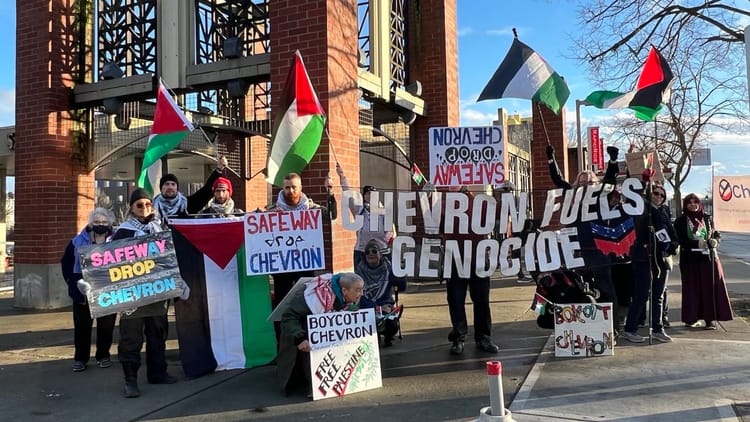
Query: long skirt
704	293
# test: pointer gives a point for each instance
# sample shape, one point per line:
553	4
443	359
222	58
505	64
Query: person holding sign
291	198
479	289
96	231
150	319
651	267
366	233
322	294
377	273
704	293
597	261
171	203
222	203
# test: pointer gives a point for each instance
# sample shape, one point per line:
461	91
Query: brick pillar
547	126
433	60
55	192
325	32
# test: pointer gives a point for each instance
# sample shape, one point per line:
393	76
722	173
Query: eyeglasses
372	251
659	194
141	205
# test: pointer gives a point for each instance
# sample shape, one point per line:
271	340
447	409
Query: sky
484	37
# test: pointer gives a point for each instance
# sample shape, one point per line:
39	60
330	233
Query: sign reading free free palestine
130	273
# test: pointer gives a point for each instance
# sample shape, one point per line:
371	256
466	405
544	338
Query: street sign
701	156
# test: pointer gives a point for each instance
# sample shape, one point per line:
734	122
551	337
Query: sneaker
79	366
457	348
522	279
666	324
487	345
662	337
104	363
633	337
711	326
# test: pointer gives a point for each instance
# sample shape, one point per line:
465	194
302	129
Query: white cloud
464	31
471	117
7	107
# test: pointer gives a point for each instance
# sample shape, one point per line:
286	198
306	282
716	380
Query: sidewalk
698	377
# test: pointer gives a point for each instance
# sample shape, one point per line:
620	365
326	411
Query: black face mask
100	229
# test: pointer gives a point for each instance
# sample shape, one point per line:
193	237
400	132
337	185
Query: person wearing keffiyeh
322	294
704	293
171	203
222	203
291	198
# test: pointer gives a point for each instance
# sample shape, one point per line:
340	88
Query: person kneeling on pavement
293	362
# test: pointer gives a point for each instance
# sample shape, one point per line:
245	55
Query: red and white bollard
496	411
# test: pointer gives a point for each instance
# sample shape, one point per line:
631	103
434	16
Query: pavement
701	376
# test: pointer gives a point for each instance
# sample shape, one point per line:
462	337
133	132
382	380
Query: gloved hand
712	243
612	152
550	152
647	174
83	287
185	292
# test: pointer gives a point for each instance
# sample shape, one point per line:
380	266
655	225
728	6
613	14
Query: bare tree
708	89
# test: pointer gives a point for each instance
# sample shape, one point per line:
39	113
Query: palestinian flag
297	135
524	74
539	304
416	174
169	129
223	324
653	89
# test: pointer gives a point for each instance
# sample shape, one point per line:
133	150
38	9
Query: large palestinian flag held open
223	325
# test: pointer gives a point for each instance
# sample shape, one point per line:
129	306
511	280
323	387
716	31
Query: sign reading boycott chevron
130	273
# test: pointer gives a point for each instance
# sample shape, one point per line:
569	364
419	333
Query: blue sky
484	28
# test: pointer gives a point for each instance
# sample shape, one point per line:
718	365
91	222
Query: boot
130	370
131	388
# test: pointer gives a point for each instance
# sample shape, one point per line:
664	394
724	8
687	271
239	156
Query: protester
365	233
222	203
704	293
291	198
655	240
377	273
171	203
293	361
523	234
98	229
150	319
479	291
597	262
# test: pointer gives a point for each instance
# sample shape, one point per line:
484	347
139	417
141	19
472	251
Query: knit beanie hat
169	177
223	183
139	194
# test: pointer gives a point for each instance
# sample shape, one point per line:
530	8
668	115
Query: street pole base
485	415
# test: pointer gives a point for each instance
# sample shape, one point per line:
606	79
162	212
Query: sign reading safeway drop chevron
464	156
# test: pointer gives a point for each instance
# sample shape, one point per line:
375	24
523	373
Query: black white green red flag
299	128
223	324
169	129
525	74
651	91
